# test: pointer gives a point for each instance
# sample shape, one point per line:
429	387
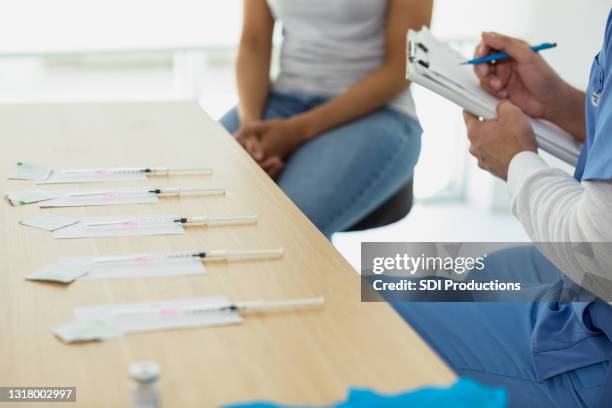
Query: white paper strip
60	273
107	199
81	331
136	229
163	316
142	269
57	177
26	171
49	222
18	198
67	270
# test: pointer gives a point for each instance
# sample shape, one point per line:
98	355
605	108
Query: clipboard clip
414	46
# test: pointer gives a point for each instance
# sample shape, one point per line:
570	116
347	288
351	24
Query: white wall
68	25
468	18
577	25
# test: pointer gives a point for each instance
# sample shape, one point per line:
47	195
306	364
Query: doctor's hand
495	142
526	79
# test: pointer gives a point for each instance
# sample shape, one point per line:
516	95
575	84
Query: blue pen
500	56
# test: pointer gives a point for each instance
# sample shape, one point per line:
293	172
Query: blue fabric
341	176
595	164
599	315
463	394
562	339
596	159
498	343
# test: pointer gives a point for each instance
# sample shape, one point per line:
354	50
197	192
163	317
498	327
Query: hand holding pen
528	87
502	56
525	78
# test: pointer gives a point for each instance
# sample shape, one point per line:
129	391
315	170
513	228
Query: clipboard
437	67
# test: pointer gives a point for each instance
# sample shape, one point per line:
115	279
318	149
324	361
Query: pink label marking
168	312
129	224
111	194
101	172
144	259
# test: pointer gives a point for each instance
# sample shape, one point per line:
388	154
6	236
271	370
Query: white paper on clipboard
438	67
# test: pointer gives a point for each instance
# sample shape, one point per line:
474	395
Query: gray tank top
328	45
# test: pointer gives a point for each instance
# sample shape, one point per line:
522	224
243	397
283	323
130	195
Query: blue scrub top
596	159
561	339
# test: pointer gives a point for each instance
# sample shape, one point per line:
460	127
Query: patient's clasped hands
271	142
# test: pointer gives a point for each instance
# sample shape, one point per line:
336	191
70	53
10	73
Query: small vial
143	384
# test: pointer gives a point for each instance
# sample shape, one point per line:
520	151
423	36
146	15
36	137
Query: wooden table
296	357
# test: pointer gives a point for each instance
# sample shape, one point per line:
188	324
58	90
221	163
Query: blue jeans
492	342
342	175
